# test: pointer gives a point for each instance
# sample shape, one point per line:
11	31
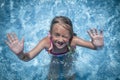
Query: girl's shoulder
46	41
73	41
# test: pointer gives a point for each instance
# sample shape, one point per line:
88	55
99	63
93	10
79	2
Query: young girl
60	42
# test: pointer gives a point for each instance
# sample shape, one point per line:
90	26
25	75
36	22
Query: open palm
14	44
97	38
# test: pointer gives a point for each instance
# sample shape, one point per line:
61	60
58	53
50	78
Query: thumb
22	40
8	43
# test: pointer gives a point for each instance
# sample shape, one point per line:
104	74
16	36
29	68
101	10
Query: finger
15	36
22	40
96	32
93	31
101	32
90	33
9	36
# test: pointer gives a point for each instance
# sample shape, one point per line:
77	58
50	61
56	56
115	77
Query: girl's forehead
60	28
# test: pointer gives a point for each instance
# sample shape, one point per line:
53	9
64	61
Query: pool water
31	19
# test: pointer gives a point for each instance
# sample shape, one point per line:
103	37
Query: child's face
60	36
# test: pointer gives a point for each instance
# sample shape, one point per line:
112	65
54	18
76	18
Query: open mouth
60	44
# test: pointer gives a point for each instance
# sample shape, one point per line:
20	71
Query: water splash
34	17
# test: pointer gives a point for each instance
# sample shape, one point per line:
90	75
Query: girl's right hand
14	44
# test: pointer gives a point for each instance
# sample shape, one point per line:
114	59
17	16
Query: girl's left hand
97	37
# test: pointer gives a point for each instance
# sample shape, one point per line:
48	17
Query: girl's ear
50	32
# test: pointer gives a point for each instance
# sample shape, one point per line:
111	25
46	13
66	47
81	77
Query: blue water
31	19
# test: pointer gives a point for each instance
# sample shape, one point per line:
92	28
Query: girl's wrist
21	54
97	47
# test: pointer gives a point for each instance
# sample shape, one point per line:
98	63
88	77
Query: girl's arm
97	40
18	46
34	52
80	42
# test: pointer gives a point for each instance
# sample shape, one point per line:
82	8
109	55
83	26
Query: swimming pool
32	18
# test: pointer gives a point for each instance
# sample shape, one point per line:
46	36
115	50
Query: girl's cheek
66	40
54	39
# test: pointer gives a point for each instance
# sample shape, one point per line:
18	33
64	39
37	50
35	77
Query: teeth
60	43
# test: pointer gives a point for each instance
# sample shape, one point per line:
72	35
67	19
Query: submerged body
61	68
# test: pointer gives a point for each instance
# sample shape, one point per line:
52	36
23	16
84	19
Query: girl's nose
60	39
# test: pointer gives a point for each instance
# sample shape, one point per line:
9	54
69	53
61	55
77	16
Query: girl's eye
65	36
57	35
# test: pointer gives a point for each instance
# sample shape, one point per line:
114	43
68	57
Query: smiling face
60	36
